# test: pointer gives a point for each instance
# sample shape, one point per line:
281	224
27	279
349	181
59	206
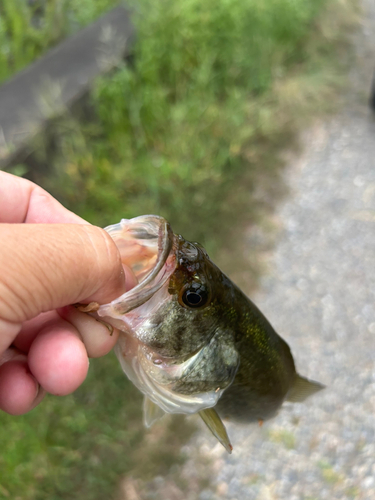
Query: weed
283	436
213	90
328	473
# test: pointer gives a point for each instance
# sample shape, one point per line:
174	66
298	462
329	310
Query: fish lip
148	227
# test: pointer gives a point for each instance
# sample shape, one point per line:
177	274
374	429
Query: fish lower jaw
162	395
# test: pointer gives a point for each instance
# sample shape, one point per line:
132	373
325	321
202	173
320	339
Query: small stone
222	489
358	181
368	482
302	284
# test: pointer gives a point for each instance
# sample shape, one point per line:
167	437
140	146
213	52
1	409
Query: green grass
192	129
214	88
283	436
329	474
79	446
28	29
60	449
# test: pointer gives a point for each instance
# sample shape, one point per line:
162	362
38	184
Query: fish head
173	345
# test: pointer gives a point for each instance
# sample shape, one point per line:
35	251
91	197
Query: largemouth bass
190	340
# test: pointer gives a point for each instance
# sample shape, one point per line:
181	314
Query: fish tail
302	389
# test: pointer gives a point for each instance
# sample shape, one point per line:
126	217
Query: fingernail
37	390
38	387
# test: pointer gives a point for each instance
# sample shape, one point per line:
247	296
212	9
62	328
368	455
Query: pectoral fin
151	412
216	426
302	389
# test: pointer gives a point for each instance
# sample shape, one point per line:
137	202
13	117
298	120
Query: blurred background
190	110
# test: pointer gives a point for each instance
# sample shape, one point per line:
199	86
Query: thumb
45	266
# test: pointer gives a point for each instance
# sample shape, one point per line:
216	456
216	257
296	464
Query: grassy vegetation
287	438
29	28
191	129
79	446
213	89
58	450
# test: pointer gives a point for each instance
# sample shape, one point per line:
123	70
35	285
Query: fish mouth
146	245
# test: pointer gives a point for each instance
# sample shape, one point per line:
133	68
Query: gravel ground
320	298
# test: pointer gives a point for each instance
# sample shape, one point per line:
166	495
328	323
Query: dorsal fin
151	412
211	418
302	389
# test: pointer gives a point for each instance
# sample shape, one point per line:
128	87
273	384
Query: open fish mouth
146	245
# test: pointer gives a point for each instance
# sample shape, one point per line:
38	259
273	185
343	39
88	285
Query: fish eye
194	295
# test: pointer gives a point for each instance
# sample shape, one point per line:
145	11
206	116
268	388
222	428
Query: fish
190	340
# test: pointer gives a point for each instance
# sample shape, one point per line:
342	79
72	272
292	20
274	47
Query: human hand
50	258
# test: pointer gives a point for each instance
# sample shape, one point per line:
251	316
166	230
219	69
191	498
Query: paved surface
320	297
61	76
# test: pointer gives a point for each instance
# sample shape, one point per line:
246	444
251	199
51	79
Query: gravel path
320	297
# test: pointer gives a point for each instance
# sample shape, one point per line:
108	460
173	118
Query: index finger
23	201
